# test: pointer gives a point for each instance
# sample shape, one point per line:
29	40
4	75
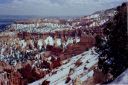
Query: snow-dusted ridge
88	59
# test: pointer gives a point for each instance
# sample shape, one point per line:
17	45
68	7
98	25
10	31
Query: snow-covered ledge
122	79
88	59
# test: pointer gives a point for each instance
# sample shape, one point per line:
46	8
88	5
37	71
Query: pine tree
114	56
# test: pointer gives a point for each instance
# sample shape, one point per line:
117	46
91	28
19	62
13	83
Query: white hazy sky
55	7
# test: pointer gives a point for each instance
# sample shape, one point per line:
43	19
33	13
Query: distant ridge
105	11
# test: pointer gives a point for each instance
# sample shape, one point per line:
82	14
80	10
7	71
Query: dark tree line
114	52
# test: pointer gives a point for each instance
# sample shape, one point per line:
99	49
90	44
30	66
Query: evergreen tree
114	56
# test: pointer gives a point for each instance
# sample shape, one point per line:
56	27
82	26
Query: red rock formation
56	63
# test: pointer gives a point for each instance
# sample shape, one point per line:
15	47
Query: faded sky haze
55	7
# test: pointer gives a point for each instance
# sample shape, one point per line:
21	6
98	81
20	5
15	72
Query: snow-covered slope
88	59
122	79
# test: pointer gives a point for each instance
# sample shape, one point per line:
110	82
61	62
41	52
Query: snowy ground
88	59
122	79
